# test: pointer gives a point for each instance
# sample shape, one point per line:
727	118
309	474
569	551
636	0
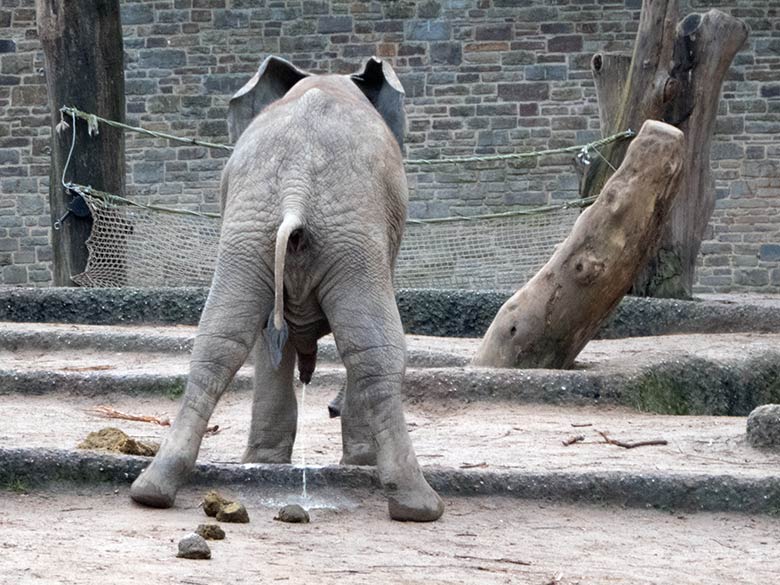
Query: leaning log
82	45
675	75
548	321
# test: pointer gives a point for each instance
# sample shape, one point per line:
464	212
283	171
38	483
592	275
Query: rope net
139	246
145	246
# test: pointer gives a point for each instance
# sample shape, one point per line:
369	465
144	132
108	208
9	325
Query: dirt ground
84	536
92	537
491	435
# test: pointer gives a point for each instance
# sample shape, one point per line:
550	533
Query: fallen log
548	321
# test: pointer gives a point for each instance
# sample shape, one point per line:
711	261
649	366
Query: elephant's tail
276	330
290	223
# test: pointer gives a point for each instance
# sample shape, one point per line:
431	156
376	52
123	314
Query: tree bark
82	44
675	75
548	322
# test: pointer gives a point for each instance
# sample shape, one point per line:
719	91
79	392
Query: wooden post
675	75
82	43
548	321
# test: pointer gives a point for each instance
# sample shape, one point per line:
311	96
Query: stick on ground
611	441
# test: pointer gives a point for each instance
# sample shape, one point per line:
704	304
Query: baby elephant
314	201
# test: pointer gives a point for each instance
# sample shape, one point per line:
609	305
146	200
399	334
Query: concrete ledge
672	491
683	386
424	312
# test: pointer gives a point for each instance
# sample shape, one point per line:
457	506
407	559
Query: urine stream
304	495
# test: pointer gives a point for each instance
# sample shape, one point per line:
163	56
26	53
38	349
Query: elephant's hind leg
274	408
358	445
365	322
237	305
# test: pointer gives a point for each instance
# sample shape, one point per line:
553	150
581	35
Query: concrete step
684	374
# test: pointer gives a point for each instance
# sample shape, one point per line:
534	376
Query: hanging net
147	246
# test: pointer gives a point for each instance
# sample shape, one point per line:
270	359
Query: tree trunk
675	75
82	43
548	322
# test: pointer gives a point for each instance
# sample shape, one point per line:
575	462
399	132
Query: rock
113	439
193	546
294	514
763	427
210	531
213	502
233	512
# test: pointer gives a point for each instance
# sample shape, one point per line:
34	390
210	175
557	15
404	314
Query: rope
113	199
92	120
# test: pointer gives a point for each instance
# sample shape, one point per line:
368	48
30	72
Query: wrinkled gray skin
318	175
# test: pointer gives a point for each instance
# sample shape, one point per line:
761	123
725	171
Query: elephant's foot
256	454
266	446
158	484
414	504
358	454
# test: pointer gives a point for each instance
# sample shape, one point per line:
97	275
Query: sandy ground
490	435
96	537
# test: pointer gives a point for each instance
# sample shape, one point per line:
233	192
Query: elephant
314	202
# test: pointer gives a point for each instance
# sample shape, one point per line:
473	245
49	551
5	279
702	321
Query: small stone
213	503
193	546
763	427
233	512
294	514
210	531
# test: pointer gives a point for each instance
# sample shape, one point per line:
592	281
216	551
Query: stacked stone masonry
481	76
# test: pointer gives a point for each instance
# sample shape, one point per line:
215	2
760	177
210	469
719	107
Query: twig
572	440
473	465
579	425
108	412
87	368
611	441
501	560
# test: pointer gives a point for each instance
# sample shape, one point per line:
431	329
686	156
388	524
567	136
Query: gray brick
334	24
162	58
137	13
148	172
429	9
769	253
493	32
523	92
427	30
9	244
15	274
30	204
446	53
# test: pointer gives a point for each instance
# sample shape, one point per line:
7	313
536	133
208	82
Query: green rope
532	154
112	199
92	120
507	214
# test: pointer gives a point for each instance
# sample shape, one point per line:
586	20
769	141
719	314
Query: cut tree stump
548	321
675	75
82	44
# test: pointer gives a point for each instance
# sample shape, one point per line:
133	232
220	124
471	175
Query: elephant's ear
383	89
273	79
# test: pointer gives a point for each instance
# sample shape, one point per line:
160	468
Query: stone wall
482	76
